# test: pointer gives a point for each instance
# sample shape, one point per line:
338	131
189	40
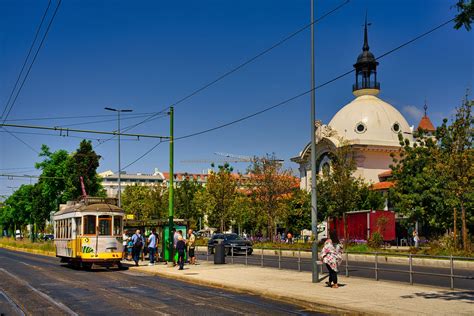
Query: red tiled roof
385	174
425	124
384	185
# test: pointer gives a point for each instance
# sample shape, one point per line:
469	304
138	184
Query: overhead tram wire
240	66
64	136
143	155
33	61
26	59
305	92
245	63
136	115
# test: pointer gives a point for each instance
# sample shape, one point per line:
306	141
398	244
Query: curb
312	306
27	250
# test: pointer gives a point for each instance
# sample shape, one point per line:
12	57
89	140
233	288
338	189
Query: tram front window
105	227
117	225
89	224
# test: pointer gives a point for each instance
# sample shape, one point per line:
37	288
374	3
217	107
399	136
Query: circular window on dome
396	127
360	128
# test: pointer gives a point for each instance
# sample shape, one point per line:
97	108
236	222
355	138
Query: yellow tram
89	232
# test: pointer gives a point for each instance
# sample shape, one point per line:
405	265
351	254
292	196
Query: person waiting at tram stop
332	256
152	246
138	244
181	249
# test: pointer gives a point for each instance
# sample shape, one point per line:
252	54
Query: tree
271	185
418	193
143	202
185	206
456	165
466	14
222	189
341	188
244	214
83	163
299	211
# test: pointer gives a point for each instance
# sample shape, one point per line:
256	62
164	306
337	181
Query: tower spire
366	40
425	107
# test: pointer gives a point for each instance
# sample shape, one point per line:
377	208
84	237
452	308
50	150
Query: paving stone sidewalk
356	296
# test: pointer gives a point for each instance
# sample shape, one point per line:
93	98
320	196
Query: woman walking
332	257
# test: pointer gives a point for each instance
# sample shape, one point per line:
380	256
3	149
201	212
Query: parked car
231	241
48	237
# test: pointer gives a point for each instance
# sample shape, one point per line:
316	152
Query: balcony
366	85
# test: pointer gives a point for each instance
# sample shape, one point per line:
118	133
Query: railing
366	85
302	258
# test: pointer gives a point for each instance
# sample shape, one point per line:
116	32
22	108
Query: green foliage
271	186
299	211
144	202
375	241
59	182
83	163
185	206
466	14
221	190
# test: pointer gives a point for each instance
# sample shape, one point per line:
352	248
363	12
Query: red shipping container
361	224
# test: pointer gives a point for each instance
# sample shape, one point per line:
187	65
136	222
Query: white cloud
413	112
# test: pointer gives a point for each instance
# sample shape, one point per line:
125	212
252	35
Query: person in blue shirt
137	241
152	246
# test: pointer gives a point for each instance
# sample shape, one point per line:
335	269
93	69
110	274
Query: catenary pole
171	186
314	207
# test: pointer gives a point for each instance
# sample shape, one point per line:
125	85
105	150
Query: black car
231	241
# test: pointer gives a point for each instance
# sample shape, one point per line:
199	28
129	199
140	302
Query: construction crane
228	158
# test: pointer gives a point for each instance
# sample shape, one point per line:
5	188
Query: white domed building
368	124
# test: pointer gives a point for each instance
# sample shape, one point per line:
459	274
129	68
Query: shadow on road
467	296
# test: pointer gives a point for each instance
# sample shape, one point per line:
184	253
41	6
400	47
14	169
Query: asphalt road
364	270
39	285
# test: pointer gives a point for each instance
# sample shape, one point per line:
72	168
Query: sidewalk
357	296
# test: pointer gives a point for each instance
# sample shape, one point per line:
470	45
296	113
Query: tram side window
117	225
105	225
89	225
78	225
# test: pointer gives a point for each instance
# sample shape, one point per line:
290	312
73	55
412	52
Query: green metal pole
171	186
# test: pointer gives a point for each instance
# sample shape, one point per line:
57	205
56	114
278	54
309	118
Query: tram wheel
87	265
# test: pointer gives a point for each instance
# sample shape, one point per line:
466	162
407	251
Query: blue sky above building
146	55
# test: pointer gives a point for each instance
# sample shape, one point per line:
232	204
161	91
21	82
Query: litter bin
219	252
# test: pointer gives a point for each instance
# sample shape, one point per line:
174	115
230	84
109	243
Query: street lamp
118	134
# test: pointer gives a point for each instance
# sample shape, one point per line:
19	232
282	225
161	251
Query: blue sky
145	55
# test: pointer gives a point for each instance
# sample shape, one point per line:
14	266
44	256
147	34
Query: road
38	285
363	269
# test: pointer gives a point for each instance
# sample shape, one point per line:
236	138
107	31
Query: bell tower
366	70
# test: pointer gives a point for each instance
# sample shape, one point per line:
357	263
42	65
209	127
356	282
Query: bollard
246	255
279	259
207	254
299	260
410	260
261	261
347	264
232	253
452	271
376	267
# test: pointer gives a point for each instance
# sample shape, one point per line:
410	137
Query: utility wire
303	93
143	155
315	88
26	59
135	115
245	63
32	62
64	136
21	140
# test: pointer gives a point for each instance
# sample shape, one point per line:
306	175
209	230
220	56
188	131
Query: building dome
368	120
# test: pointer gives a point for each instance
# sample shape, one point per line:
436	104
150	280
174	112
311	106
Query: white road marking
43	295
15	307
